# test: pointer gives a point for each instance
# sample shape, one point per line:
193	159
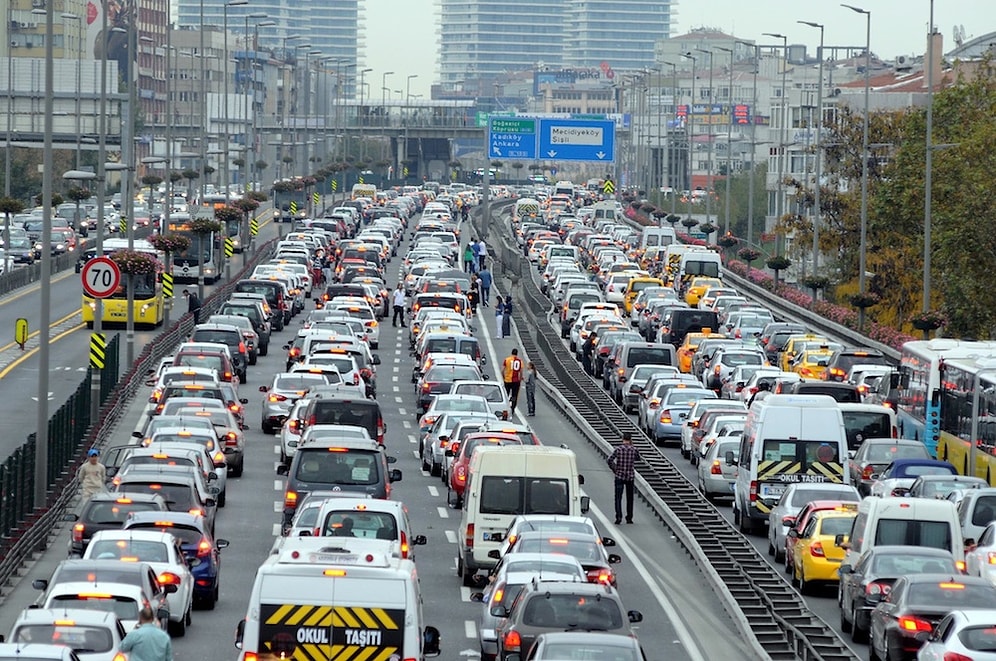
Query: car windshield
569	611
81	638
345	468
885	453
124	608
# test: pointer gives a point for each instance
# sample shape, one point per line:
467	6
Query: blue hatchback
201	550
673	410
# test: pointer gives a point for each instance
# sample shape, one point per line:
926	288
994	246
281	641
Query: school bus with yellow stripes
336	599
787	439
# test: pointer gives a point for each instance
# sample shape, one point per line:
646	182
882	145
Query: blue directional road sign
512	137
577	139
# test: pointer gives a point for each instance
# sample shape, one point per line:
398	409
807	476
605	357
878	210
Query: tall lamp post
79	64
98	313
226	179
818	216
782	139
928	162
248	98
729	142
359	113
708	196
690	130
253	156
862	256
671	179
408	97
307	107
753	142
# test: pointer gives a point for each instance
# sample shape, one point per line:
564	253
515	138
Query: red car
461	452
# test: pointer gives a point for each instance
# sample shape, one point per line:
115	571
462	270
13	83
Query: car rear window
648	356
571	612
909	532
953	595
505	495
79	637
110	513
178	497
219	336
859	425
124	607
351	523
185	534
355	467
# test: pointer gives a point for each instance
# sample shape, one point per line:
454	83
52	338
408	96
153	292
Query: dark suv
228	335
351	466
108	511
842	361
543	607
253	311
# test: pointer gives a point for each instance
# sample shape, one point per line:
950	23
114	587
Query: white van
508	480
526	209
898	521
787	439
655	237
608	210
863	421
699	262
319	595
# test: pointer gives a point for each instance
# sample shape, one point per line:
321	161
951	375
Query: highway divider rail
768	613
25	529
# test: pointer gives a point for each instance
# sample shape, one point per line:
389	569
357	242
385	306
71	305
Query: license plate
333	558
493	536
772	490
733	486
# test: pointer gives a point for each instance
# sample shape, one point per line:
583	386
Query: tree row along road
69	342
681	620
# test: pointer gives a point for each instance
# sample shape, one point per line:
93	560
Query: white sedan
162	552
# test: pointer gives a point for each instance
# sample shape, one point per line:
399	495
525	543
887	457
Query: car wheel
779	555
177	629
267	427
425	464
374	345
434	468
746	527
685	453
573	346
872	653
805	587
222	497
771	547
253	358
264	349
188	619
238	468
858	634
627	409
845	625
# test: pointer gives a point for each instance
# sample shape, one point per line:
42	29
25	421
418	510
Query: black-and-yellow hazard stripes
791	472
98	350
330	633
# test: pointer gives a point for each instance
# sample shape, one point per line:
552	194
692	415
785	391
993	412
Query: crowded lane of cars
225	491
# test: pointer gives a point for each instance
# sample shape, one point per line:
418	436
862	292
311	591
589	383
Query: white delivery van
608	210
320	595
899	521
863	421
672	258
526	209
702	262
508	480
787	439
656	237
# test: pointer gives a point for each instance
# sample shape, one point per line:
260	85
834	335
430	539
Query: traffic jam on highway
797	432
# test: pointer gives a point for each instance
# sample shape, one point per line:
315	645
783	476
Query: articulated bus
203	252
920	408
962	379
233	228
149	304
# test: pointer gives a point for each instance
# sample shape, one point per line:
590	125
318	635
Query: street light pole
928	162
862	256
690	131
359	112
783	138
753	141
131	161
671	179
729	143
708	196
226	178
79	63
818	215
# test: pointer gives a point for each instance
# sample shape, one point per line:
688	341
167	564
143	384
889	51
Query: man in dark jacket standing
193	305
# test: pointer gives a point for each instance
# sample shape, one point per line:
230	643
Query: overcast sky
401	35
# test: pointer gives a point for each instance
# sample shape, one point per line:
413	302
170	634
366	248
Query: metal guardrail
22	276
24	529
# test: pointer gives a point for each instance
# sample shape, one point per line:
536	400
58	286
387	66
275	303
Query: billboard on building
111	44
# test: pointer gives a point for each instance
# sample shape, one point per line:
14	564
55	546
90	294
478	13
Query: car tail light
356	379
513	641
461	474
867	473
204	548
120	656
290	500
955	656
235	408
228	376
654	403
277	398
914	624
602	576
665	417
836	373
219	459
404	545
877	589
716	468
991	558
294	426
469	536
231	439
242	347
380	430
78	532
169	578
753	491
816	550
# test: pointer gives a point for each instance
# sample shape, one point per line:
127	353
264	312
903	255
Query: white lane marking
407	424
276	529
402	411
433	491
465	594
278	485
450	536
398	400
394	378
278	506
396	388
276	449
687	641
469	629
443	514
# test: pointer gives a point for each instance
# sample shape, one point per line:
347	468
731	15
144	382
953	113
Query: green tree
739	200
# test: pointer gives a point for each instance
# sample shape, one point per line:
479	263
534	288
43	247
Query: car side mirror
211	502
845	569
419	540
240	632
282	469
477	597
792	533
608	541
221	543
111	471
40	584
286	347
729	458
585	504
634	616
614	559
211	477
395	475
375	360
169	589
137	434
264	388
430	641
161	613
838	540
392	460
494	554
498	611
243	401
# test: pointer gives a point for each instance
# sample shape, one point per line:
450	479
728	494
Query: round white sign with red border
101	277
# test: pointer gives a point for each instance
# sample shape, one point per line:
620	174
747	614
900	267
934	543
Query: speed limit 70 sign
101	277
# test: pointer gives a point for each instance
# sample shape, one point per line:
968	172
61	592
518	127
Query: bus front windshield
200	249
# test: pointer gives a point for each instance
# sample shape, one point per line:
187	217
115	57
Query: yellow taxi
691	344
792	348
817	557
635	286
812	363
698	286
